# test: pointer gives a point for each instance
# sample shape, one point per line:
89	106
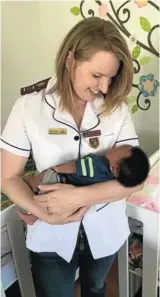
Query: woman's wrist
96	193
86	195
105	192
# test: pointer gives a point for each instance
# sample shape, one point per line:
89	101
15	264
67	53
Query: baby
128	165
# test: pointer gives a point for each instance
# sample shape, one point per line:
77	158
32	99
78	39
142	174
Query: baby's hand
66	168
27	218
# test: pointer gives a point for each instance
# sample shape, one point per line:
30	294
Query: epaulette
35	87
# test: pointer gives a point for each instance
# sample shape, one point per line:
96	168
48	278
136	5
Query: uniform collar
91	114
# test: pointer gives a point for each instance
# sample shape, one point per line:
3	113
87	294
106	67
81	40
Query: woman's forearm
19	192
105	192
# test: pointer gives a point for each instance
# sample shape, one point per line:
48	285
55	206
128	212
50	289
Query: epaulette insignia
35	87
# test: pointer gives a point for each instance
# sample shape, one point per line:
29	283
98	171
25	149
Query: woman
82	111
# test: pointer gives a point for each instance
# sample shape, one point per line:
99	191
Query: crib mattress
148	197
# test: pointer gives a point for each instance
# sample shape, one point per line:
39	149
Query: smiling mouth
94	92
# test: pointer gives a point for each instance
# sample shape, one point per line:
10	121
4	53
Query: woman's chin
91	100
91	97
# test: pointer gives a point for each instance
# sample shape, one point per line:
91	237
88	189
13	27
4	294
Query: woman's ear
69	61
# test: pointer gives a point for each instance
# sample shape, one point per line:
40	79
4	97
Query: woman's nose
104	84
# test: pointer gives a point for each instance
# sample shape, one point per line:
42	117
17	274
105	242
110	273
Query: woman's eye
96	75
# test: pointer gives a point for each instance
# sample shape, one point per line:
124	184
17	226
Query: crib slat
123	271
19	251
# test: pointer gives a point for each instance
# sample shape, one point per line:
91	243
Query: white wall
31	34
56	20
21	61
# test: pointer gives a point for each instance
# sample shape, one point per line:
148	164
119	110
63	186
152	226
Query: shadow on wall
149	141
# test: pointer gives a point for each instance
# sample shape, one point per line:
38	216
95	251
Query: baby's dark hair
134	169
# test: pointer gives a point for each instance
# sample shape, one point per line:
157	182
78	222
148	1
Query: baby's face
115	154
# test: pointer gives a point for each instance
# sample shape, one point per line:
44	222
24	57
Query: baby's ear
114	170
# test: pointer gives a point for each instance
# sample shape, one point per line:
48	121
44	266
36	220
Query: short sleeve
14	137
127	133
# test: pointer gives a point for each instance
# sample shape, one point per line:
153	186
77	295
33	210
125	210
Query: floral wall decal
75	10
133	39
141	3
145	24
136	52
103	10
147	85
144	60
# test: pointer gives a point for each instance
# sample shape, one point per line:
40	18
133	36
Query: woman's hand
26	218
61	205
54	219
61	199
77	216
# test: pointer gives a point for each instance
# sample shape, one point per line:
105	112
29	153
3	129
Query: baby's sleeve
95	168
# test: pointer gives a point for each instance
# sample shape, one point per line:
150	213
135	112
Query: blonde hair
83	40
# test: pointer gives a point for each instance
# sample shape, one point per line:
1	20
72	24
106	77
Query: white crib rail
2	291
151	238
16	236
154	158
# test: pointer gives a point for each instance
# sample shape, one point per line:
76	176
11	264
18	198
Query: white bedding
148	197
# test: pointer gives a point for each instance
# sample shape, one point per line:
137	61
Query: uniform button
76	137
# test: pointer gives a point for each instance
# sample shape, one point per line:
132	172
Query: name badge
57	131
92	133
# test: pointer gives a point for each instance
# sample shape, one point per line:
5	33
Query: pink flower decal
141	3
103	10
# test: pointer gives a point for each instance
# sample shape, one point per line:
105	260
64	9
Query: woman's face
93	77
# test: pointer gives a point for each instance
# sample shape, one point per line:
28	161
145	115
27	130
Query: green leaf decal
144	60
75	10
145	24
134	108
136	52
131	99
